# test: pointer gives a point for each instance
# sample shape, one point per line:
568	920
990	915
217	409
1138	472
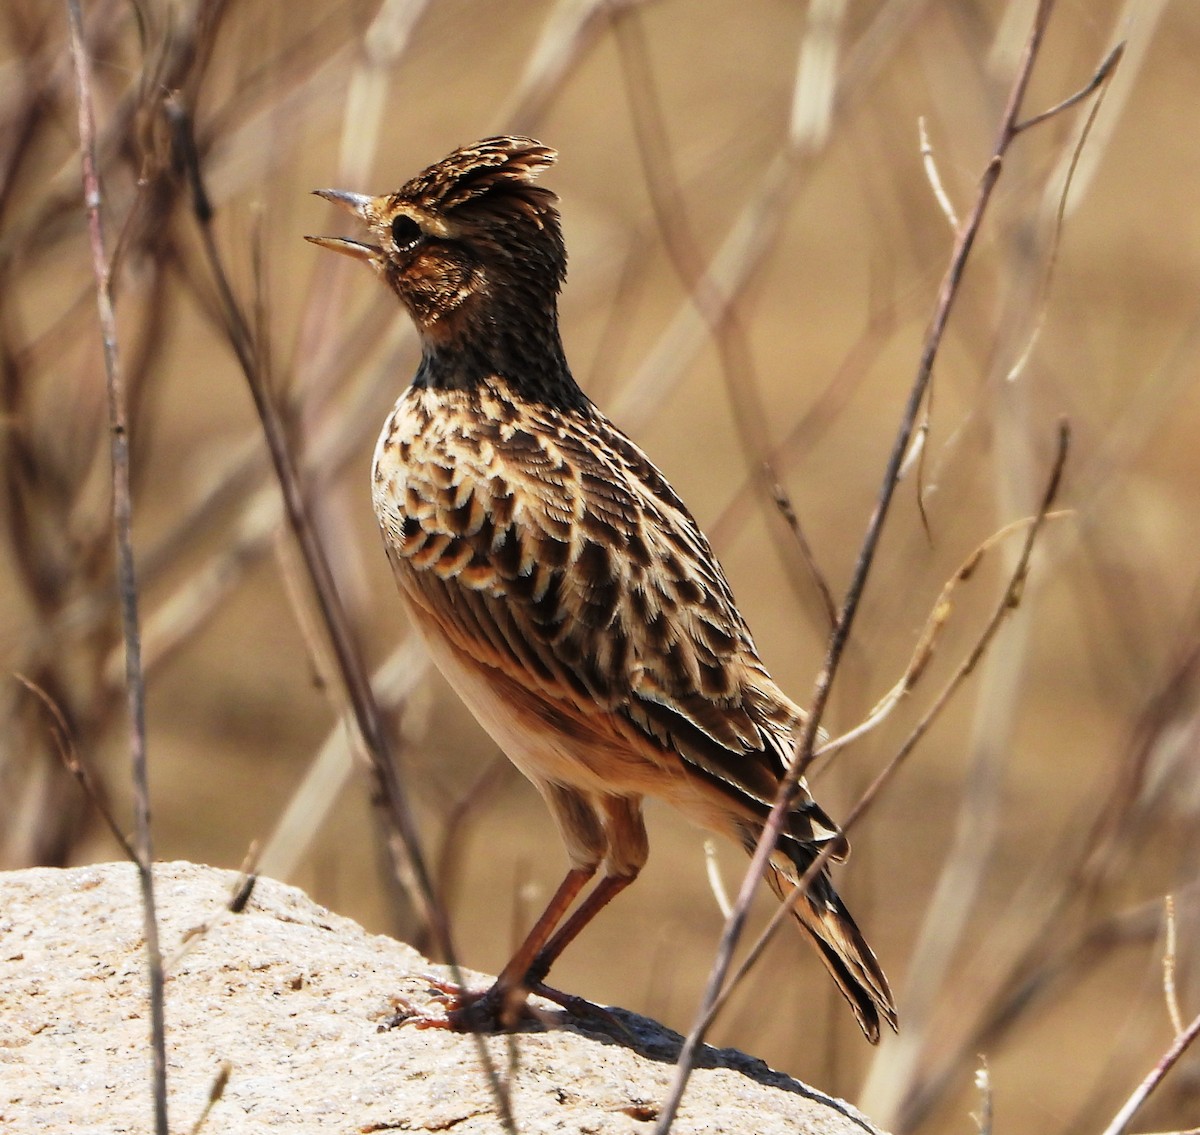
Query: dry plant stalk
251	354
1170	954
122	503
215	1092
65	743
927	637
1010	126
983	1082
1184	1040
236	903
1009	600
404	844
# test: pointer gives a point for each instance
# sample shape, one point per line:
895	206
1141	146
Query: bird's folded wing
569	564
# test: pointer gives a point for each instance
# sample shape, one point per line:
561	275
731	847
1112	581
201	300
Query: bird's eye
405	232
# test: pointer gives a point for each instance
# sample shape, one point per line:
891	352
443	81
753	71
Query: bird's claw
466	1010
496	1009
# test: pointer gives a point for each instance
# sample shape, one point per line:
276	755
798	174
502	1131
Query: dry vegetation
1012	877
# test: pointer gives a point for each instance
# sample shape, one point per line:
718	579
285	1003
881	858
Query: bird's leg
610	829
501	1005
605	891
623	861
515	975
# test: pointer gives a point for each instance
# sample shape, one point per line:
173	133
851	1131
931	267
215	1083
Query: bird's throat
528	355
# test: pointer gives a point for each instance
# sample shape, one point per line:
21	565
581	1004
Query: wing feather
557	553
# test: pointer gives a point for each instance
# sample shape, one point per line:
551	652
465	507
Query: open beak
355	203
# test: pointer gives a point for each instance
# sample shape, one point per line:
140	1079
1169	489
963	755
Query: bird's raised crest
474	171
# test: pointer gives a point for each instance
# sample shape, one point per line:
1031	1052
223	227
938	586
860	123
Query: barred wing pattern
552	550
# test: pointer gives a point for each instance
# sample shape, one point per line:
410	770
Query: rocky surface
295	998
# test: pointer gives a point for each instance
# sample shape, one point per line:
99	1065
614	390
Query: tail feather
840	944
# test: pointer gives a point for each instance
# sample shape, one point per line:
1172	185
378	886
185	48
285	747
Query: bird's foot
497	1009
579	1008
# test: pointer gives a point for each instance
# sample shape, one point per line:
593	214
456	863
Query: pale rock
296	999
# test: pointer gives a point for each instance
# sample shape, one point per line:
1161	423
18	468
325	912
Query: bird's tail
840	943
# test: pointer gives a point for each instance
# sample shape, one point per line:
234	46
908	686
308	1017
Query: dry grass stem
935	178
783	502
1170	993
215	1092
804	745
983	1085
881	323
1183	1041
457	821
712	870
1100	84
236	903
927	639
331	768
122	506
65	744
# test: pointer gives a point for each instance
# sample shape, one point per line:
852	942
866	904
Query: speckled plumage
560	583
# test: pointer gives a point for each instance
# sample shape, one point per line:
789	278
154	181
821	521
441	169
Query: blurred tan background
1012	877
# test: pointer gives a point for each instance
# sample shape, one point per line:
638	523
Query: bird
559	582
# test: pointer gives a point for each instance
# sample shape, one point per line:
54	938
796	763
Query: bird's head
469	243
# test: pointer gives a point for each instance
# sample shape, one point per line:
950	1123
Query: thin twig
235	904
935	624
804	746
916	450
215	1091
456	825
783	503
858	362
716	884
983	1083
1007	603
935	178
1105	69
408	859
122	507
1170	993
330	769
358	690
65	744
1143	1091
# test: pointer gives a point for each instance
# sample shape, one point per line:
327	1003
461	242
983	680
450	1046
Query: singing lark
560	584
